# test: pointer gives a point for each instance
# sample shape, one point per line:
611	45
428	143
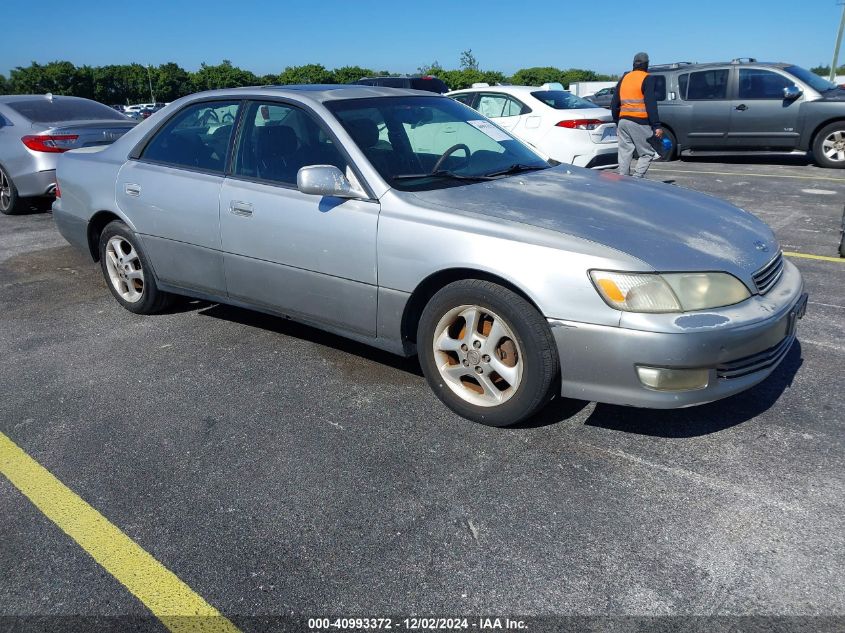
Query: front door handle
132	190
242	209
742	107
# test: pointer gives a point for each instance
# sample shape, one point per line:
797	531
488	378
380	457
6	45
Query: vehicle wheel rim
5	191
833	146
478	355
124	267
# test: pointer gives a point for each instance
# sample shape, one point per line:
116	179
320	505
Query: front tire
127	271
486	352
829	146
10	202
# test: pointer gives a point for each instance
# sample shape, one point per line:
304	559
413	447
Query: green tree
223	75
307	74
123	83
536	76
170	81
433	68
468	60
4	85
824	71
348	74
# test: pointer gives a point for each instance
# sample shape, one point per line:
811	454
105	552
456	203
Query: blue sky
400	36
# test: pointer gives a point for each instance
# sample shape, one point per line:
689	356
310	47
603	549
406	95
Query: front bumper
599	363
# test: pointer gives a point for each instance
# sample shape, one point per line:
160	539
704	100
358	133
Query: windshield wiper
444	173
515	169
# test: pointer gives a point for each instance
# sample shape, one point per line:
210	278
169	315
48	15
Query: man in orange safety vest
634	109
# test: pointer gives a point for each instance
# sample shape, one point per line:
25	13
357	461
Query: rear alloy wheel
9	200
486	352
127	271
829	146
673	152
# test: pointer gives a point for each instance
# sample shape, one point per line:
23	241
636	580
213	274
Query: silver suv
750	106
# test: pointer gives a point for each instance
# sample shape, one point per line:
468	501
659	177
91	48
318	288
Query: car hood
834	95
667	227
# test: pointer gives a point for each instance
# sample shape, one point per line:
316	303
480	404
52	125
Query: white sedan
562	126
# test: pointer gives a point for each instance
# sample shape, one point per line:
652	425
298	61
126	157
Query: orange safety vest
631	98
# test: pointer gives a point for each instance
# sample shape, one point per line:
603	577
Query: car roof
514	90
686	66
320	93
14	98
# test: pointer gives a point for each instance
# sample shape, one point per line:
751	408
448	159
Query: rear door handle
132	190
243	209
742	107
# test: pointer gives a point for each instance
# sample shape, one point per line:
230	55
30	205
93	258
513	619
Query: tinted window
432	84
405	137
708	85
45	110
683	81
197	137
755	83
465	98
660	87
277	140
562	100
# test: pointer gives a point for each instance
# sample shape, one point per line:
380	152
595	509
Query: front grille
757	362
768	275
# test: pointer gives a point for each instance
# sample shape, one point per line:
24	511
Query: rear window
659	87
708	85
432	84
562	100
50	111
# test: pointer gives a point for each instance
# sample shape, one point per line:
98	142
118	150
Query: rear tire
673	154
829	146
128	273
487	353
10	202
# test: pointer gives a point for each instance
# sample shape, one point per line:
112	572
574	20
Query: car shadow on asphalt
788	160
287	327
704	419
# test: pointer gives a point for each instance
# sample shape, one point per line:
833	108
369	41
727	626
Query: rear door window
497	105
277	140
660	87
708	85
198	137
756	83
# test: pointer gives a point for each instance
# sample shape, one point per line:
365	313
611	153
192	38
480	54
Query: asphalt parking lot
280	471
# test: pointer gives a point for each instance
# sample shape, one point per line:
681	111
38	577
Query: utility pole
153	99
838	42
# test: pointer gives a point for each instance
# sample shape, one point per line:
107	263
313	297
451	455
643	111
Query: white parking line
745	175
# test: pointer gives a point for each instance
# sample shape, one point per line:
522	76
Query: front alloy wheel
478	356
829	146
486	352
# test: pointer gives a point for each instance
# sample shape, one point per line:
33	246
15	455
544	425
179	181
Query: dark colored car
603	97
147	112
423	82
749	106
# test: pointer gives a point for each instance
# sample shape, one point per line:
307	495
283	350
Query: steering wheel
451	151
228	118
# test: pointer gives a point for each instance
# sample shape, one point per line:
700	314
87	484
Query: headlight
669	292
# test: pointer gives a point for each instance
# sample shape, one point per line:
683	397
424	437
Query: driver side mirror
326	180
791	93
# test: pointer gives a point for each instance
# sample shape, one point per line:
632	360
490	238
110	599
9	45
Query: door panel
707	92
760	116
294	253
176	213
301	254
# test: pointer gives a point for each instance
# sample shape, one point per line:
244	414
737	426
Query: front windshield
812	79
562	100
421	143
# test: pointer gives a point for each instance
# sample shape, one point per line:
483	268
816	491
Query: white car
564	127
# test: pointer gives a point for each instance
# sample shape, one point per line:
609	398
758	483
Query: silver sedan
35	129
408	221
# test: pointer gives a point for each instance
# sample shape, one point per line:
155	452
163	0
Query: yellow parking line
178	607
823	258
744	175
